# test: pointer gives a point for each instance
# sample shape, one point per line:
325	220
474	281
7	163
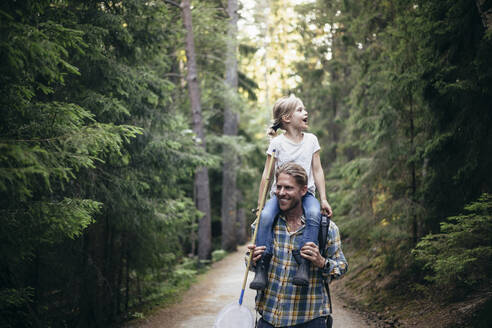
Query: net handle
257	221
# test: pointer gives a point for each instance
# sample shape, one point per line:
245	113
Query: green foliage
96	157
399	96
456	77
167	291
460	256
218	255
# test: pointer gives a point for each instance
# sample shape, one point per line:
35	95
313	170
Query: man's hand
257	252
311	252
326	208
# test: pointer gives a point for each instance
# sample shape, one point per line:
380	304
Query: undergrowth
170	290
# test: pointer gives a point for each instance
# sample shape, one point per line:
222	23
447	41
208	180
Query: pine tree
229	190
96	159
201	189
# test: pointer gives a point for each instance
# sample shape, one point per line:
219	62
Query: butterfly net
234	316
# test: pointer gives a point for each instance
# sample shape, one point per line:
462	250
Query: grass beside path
170	291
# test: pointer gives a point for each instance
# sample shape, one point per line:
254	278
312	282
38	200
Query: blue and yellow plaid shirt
284	304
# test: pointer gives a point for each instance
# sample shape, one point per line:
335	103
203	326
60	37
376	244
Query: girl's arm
319	181
264	178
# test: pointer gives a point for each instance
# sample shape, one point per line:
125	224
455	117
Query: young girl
302	148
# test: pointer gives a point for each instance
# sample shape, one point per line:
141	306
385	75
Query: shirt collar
303	221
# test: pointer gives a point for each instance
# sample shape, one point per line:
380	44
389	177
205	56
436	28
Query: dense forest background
101	147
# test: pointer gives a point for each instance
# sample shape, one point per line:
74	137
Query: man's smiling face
288	192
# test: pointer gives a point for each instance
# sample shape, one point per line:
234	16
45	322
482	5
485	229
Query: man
281	303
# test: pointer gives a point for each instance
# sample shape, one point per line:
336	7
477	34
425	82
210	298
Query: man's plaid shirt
284	304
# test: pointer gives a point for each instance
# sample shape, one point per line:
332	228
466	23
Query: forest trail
220	286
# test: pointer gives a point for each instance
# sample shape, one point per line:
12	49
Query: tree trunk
242	235
229	202
119	283
127	278
201	188
413	169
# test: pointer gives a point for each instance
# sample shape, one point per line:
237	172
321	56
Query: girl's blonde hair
283	107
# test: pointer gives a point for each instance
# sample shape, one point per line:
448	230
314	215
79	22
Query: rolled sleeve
336	264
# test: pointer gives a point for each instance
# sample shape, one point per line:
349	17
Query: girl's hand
326	208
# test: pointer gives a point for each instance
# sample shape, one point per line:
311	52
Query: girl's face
299	118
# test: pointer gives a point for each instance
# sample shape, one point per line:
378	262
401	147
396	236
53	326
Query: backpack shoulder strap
323	233
322	237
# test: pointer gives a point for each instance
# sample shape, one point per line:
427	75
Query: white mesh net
234	316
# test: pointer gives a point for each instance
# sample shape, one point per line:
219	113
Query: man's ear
304	190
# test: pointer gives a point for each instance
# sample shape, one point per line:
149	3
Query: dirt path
220	286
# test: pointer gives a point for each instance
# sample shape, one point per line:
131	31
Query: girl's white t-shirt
299	153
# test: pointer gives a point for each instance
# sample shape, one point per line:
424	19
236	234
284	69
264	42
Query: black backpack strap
327	287
322	237
323	233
